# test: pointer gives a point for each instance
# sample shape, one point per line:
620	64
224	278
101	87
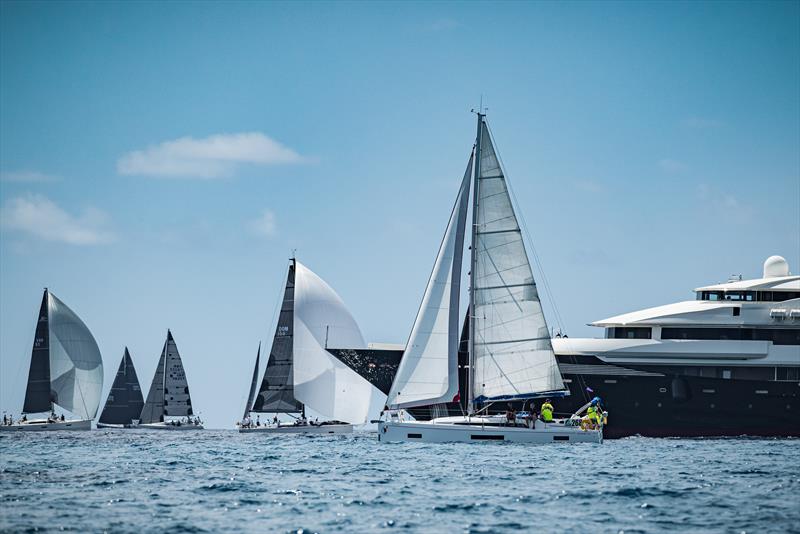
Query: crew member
593	412
547	411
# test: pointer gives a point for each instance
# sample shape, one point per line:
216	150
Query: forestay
513	355
76	367
428	371
321	381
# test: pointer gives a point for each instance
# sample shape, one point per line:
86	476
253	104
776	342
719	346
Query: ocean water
211	481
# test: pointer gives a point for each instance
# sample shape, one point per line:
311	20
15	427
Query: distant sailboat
169	405
301	371
510	352
124	403
66	370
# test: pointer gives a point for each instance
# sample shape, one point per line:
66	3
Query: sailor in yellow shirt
547	411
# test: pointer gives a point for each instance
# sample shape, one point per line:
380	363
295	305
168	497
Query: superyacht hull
688	406
432	432
42	425
299	429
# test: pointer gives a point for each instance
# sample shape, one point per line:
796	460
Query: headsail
37	394
124	402
512	353
276	394
76	367
153	410
428	371
321	381
253	384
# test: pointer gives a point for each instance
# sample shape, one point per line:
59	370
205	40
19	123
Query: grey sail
276	394
124	402
37	394
177	401
153	410
253	384
512	355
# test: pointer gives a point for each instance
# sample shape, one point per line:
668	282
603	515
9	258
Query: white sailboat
169	404
66	370
301	372
510	352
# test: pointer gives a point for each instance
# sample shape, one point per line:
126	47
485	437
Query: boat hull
166	426
305	429
431	432
114	426
42	425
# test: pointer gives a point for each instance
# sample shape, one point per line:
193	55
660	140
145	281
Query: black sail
124	402
177	401
276	394
38	397
253	384
153	410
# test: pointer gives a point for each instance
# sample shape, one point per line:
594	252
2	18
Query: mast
472	264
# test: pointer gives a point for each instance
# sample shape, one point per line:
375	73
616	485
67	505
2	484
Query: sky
160	162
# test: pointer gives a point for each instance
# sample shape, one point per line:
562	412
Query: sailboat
510	353
303	370
124	402
66	370
169	405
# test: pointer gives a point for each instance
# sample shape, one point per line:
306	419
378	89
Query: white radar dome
775	266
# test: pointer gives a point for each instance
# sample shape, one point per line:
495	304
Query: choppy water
219	480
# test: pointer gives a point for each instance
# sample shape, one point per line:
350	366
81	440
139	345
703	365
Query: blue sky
160	161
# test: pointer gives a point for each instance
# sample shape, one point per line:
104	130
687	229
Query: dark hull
682	406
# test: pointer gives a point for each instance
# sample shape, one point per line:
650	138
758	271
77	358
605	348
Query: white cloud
27	176
265	224
672	165
212	157
40	217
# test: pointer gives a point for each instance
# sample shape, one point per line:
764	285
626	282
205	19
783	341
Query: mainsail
124	402
276	394
169	391
512	354
253	384
321	381
428	371
66	365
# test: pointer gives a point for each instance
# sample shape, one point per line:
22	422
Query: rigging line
524	225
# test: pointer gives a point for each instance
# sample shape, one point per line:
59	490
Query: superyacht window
629	332
749	296
778	336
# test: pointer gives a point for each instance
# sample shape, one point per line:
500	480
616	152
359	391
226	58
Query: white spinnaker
428	370
321	381
513	355
76	367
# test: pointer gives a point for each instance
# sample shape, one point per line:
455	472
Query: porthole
659	405
712	405
662	390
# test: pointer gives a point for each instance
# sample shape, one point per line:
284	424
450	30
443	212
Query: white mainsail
428	370
321	381
512	353
76	367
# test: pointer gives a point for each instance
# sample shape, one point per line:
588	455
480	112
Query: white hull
449	432
167	426
299	429
41	425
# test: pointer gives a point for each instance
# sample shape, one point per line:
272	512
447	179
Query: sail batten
428	371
